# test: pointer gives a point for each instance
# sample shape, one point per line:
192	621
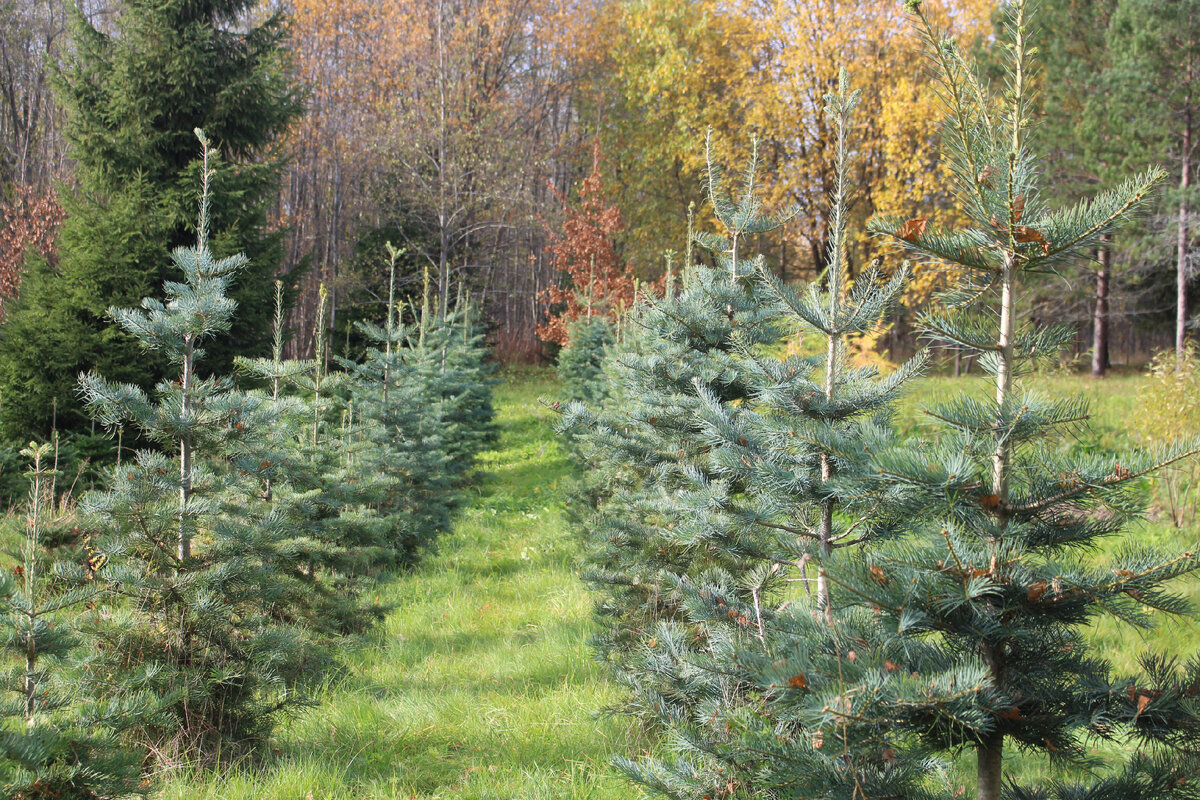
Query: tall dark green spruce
132	99
968	633
200	559
792	466
54	742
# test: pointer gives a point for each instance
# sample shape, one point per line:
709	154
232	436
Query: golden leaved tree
655	75
801	47
662	73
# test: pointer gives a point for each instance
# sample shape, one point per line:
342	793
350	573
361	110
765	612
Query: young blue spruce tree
423	396
662	503
55	743
338	540
798	452
199	560
450	352
581	361
969	634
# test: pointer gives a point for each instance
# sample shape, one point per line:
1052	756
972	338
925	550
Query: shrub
1169	406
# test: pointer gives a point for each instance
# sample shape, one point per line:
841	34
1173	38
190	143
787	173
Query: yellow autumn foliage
665	72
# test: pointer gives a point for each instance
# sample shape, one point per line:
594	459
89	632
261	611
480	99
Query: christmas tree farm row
803	603
222	560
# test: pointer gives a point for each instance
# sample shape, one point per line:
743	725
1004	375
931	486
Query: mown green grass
481	683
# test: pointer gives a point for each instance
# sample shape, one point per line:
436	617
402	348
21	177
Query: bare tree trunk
334	240
31	551
1181	256
443	221
1100	311
990	772
1004	379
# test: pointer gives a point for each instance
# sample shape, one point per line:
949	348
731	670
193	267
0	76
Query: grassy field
480	684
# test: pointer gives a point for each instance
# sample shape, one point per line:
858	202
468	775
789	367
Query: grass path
480	683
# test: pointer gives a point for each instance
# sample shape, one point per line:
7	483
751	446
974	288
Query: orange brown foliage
585	252
31	221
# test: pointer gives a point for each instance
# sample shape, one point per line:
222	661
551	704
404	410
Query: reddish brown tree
31	222
584	251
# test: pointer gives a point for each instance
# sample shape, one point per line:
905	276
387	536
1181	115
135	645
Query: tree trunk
826	529
184	545
31	550
1181	255
1100	312
832	376
1004	372
443	215
990	751
989	774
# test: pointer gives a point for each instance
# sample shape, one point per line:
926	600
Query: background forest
461	130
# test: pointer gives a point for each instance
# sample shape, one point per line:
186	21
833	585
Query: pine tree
132	97
967	633
1076	118
199	561
61	744
793	461
664	505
